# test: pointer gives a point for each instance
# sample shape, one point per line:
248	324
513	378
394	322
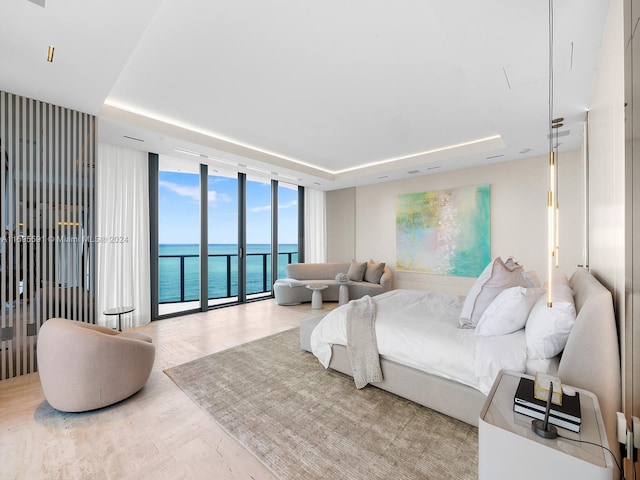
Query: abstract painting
445	232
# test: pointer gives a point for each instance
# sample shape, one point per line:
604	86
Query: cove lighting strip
169	121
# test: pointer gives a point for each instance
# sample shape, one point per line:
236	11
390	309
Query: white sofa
293	291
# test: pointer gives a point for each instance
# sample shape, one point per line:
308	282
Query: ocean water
223	262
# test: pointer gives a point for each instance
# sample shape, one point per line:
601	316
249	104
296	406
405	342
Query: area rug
303	421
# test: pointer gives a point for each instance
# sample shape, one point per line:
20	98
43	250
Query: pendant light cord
550	74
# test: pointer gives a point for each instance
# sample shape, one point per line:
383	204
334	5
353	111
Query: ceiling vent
564	133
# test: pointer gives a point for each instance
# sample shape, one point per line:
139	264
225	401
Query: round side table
343	293
316	296
119	311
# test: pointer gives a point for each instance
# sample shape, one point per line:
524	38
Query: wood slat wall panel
47	215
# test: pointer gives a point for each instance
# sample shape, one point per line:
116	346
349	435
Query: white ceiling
332	93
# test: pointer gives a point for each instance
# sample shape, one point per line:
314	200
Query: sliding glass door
238	217
179	236
287	226
222	249
258	227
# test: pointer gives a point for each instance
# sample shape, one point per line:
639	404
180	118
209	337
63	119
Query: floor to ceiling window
234	216
258	218
178	235
287	226
222	249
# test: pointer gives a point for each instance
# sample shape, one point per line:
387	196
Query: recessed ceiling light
413	172
50	54
495	156
382	177
133	138
434	167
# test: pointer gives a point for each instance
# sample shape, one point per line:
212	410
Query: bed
590	358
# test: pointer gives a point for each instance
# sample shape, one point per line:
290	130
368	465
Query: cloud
182	190
193	193
292	203
215	197
261	209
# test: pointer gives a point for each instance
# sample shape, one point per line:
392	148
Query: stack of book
566	415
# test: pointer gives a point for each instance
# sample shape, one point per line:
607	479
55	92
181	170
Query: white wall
606	161
607	191
341	241
518	217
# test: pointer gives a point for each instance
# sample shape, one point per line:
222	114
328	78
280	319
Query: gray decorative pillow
356	271
374	272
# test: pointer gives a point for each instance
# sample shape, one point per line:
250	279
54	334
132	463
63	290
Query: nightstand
508	447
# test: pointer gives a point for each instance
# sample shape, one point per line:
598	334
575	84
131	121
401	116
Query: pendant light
552	195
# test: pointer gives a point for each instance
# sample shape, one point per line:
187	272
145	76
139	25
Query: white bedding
420	329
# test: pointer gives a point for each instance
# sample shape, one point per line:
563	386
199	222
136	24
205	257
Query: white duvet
420	329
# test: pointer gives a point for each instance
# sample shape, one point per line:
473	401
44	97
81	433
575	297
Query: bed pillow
531	279
548	328
560	278
356	271
373	272
497	276
508	312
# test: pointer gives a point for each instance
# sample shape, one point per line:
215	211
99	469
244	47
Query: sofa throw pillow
496	277
508	312
356	271
373	272
548	328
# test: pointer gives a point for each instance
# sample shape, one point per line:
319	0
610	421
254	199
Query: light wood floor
156	434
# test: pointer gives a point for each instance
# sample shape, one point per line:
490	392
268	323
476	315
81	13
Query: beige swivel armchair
83	366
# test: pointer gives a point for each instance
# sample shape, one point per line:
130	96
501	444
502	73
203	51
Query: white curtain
122	235
315	232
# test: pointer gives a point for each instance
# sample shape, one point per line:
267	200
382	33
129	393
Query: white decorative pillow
508	312
497	276
548	328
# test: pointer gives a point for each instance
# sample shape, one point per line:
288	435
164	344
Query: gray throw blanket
361	341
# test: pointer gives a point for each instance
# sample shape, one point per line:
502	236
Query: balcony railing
180	279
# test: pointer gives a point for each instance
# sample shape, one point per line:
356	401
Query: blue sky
180	210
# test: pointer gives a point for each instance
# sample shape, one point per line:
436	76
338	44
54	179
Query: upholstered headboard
591	358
